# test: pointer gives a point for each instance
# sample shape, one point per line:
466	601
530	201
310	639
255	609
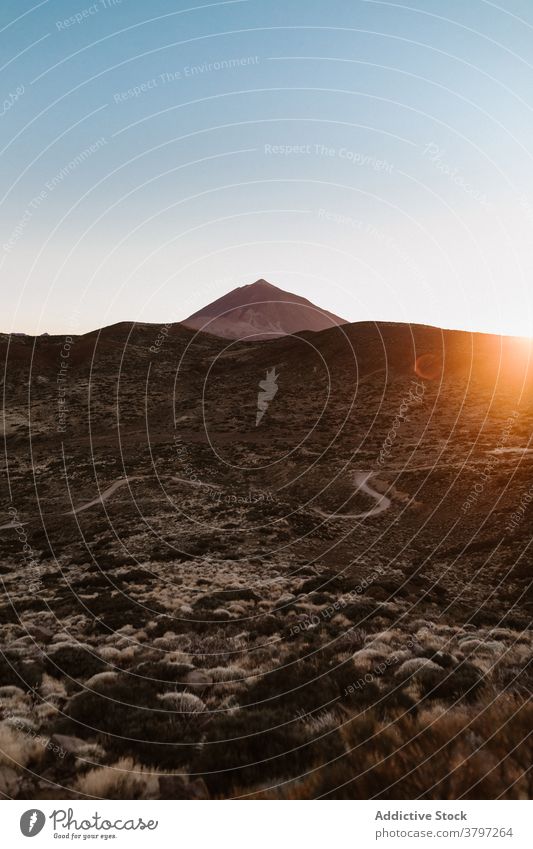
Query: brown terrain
332	603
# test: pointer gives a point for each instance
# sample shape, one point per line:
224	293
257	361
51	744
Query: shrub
465	752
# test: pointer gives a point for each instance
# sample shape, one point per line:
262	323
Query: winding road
107	493
361	483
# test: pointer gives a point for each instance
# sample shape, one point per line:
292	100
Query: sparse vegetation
183	646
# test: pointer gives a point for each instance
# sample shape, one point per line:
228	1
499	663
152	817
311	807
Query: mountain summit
260	311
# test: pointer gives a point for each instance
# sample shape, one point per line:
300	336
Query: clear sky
374	157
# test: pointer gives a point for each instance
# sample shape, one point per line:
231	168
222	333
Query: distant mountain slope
261	311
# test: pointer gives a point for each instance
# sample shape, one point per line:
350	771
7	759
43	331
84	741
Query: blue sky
372	156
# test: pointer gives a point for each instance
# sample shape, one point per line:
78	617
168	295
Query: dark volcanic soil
333	603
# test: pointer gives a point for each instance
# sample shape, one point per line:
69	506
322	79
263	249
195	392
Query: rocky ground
334	603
